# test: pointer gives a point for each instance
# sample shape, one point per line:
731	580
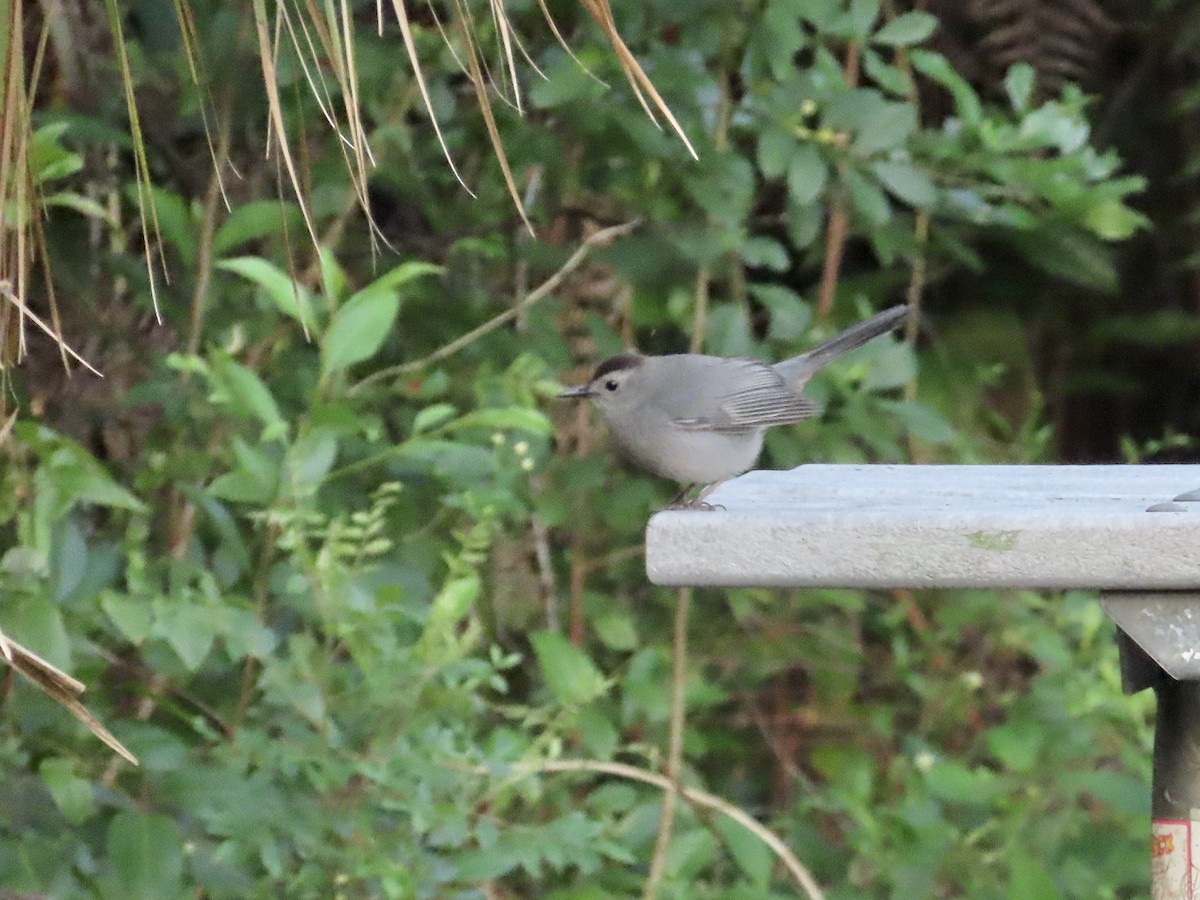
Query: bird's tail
799	369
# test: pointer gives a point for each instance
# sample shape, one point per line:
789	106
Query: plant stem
803	877
666	819
603	236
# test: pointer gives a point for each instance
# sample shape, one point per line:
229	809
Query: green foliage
325	597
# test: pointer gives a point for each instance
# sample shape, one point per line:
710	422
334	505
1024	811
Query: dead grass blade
602	13
7	292
190	39
145	191
411	47
275	109
5	431
61	688
489	119
14	181
23	239
504	29
563	42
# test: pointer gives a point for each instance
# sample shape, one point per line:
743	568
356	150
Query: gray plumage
701	419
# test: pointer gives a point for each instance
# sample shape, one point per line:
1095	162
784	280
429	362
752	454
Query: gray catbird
701	419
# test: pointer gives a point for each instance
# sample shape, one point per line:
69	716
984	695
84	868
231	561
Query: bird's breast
689	456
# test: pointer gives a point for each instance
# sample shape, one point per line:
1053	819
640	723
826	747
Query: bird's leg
699	503
680	502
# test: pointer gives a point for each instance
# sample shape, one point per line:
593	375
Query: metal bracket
1159	636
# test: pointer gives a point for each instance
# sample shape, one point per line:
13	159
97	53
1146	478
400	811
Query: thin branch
666	819
700	309
839	218
696	797
547	580
603	236
208	227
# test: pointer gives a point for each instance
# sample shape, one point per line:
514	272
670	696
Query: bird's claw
697	505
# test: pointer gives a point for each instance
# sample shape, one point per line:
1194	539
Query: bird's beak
575	393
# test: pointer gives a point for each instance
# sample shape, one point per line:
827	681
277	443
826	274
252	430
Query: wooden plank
938	526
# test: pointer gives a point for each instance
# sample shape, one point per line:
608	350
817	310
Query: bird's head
608	387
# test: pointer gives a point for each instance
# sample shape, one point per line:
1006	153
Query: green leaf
765	253
50	160
85	206
862	15
804	222
953	781
509	418
175	223
241	388
1112	220
893	79
242	633
333	277
923	422
569	672
790	315
935	66
255	220
775	149
1030	880
690	853
1018	84
291	299
72	477
870	204
1018	743
1068	253
906	29
887	129
36	622
753	857
728	332
131	616
359	328
906	183
72	794
187	627
807	174
310	459
402	275
456	598
433	416
616	629
892	365
255	479
485	864
146	855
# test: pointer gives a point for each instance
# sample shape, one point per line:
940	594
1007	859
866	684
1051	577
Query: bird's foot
698	502
696	505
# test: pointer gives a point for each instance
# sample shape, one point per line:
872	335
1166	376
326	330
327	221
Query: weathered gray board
938	526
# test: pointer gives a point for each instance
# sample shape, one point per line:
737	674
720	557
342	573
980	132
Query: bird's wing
755	397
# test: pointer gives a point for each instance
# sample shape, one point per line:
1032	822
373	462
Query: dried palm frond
1063	40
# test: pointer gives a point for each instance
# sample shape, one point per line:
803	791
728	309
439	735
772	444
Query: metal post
1158	634
1175	809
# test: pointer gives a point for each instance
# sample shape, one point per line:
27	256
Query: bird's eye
611	384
